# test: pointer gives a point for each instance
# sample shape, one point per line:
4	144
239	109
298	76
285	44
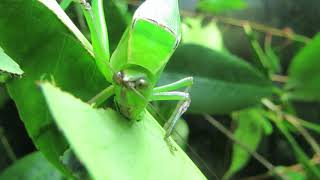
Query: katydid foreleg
102	96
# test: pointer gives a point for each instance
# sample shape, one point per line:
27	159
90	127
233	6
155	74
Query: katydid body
139	60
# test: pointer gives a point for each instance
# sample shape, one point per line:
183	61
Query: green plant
87	107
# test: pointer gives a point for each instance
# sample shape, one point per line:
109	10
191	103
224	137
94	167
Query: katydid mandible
142	54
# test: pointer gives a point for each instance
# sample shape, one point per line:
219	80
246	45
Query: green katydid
138	61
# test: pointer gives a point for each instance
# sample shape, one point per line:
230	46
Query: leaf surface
208	35
46	44
8	65
32	167
304	74
222	82
249	132
218	6
112	147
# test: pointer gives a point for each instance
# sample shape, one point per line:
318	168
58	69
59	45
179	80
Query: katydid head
133	87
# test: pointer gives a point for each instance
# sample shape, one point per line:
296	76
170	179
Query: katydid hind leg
175	116
182	106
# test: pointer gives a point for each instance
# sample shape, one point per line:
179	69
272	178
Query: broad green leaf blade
32	167
112	147
208	35
8	65
222	83
249	132
63	17
304	74
217	6
34	34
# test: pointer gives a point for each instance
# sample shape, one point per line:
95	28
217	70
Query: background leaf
222	82
105	141
194	31
217	6
46	49
8	65
32	167
304	74
249	132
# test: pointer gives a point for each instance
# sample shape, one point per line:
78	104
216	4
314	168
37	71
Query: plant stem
304	133
229	134
296	167
286	33
295	122
279	78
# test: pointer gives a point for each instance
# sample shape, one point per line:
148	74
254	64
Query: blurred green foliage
218	6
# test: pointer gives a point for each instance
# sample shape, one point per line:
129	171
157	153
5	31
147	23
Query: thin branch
313	143
286	33
295	122
279	78
229	134
257	156
296	168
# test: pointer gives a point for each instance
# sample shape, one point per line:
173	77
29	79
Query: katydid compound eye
118	77
141	83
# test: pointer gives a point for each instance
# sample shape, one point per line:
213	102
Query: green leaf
222	82
249	132
208	35
47	45
291	174
8	65
273	58
304	74
112	147
218	6
32	167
